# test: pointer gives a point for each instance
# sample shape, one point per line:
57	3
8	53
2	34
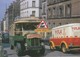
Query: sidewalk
9	53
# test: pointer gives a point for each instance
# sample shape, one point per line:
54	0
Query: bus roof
24	20
67	25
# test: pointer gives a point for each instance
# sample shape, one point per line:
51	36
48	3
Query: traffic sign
42	27
42	24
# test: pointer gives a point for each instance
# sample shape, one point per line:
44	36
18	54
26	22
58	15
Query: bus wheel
63	48
51	47
42	51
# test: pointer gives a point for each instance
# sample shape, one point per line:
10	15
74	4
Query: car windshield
5	35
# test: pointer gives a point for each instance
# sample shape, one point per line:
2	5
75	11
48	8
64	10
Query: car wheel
64	50
51	47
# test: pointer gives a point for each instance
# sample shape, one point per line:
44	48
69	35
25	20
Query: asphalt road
11	53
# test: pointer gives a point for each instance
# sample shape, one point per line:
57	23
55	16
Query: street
11	53
39	28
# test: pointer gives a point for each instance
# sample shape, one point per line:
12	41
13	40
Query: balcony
44	13
53	2
43	0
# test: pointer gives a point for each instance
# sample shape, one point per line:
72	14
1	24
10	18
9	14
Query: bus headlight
25	44
42	43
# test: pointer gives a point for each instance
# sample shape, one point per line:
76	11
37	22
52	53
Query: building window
59	23
44	17
49	2
44	9
49	23
27	4
43	0
33	3
66	23
50	13
62	0
54	12
53	1
27	13
33	13
61	11
68	10
53	24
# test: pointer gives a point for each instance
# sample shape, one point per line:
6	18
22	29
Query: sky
3	6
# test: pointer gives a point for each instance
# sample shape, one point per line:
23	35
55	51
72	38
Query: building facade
3	25
6	20
62	12
30	8
12	12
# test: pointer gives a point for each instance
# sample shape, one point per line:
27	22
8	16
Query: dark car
5	37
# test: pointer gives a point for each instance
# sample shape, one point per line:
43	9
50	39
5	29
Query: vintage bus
21	42
66	37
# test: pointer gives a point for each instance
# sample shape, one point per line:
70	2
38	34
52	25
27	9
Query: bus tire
42	51
51	47
63	48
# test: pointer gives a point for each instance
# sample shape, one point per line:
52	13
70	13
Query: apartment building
12	12
62	12
30	8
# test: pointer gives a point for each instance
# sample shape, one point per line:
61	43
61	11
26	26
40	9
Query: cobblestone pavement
11	53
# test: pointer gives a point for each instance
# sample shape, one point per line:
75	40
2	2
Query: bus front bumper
34	48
